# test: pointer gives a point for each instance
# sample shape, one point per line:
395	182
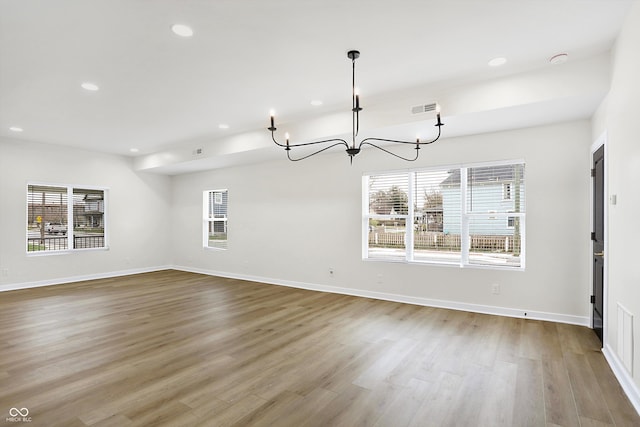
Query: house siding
482	201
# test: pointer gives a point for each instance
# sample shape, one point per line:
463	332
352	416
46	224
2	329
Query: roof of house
482	175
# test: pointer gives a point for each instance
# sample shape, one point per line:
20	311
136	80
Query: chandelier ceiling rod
353	148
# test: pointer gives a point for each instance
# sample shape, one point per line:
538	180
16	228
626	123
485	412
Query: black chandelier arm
389	152
316	152
395	141
398	141
439	126
341	141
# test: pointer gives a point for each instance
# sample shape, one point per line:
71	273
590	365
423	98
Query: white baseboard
623	376
72	279
428	302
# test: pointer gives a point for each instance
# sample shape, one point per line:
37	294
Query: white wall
138	214
290	222
619	116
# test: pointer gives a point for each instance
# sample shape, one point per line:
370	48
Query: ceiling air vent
425	108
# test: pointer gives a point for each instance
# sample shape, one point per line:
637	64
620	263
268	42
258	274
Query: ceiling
158	91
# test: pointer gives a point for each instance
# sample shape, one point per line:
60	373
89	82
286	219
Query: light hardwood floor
181	349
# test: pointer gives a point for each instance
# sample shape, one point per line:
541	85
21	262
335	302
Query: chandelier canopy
353	148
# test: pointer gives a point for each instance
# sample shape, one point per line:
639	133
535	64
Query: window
61	218
506	191
215	219
456	216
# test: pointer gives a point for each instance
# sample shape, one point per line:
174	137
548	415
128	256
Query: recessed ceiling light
90	86
316	102
559	58
134	150
496	62
182	30
16	129
223	126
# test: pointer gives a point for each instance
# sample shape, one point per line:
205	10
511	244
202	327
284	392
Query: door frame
601	141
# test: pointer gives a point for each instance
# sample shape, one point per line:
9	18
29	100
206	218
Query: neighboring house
429	219
218	208
492	190
88	211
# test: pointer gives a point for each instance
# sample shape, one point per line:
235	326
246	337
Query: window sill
64	251
446	264
209	248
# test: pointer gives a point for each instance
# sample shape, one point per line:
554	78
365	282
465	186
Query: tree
392	201
432	200
432	211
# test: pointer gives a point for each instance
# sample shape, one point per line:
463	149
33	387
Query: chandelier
353	148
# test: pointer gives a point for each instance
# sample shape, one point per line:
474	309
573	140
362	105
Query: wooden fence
442	241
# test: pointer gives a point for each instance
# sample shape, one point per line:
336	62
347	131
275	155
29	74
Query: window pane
218	204
387	238
436	222
47	226
388	194
494	242
216	221
88	218
218	234
495	189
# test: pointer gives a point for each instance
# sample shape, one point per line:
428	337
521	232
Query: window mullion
365	217
410	217
464	219
70	237
523	245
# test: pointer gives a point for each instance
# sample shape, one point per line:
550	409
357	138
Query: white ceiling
159	91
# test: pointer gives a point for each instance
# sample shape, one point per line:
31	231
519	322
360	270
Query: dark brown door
597	298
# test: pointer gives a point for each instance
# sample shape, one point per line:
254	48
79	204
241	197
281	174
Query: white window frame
70	219
465	218
207	220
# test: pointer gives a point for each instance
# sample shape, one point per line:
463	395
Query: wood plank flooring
180	349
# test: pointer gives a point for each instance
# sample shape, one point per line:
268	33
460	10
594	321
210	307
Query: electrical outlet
331	271
380	277
495	289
